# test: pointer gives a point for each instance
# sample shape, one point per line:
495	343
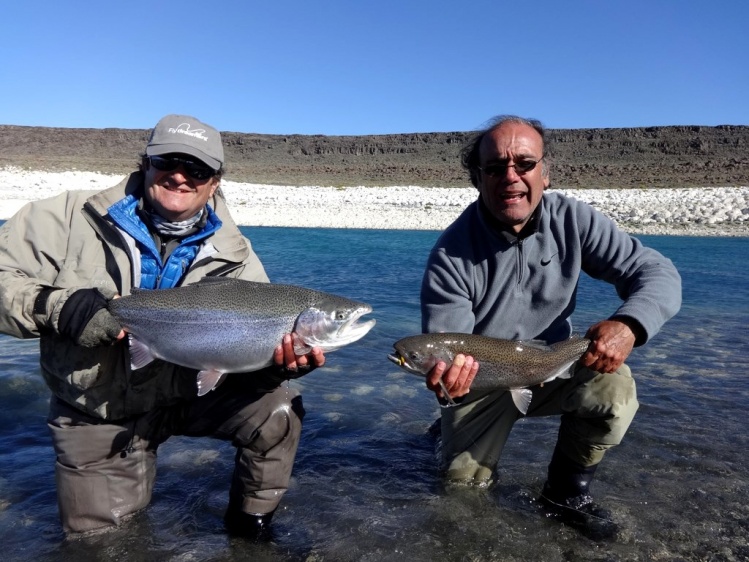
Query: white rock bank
702	211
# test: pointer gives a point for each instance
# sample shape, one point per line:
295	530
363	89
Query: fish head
419	354
333	323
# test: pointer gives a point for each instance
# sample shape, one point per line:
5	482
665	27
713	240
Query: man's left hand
611	343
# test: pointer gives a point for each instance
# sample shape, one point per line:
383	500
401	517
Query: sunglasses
193	168
522	167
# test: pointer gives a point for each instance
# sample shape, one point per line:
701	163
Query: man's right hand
456	379
293	365
84	318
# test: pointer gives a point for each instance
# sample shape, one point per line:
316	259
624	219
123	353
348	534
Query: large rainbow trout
224	325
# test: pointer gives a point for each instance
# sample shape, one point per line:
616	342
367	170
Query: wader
596	410
105	469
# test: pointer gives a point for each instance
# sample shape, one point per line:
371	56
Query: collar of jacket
125	214
504	231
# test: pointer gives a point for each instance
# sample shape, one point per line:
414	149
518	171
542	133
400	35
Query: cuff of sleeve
637	329
47	306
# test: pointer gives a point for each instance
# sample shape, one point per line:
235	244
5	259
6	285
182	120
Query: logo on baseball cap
186	135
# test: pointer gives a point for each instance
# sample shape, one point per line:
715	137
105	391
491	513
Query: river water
365	483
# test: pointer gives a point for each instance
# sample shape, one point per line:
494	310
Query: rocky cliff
677	156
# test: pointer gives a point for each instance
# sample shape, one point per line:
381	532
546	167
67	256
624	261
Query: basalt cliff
673	156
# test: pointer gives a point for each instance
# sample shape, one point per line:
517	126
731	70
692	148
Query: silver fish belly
503	364
225	325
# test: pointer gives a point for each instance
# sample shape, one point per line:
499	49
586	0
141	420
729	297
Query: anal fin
140	354
521	397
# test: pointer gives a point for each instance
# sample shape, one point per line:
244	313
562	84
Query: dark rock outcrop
675	156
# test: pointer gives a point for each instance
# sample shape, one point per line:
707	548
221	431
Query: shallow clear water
365	483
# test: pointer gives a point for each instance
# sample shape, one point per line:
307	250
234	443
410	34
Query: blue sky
348	67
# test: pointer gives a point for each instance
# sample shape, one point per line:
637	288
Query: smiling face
512	197
175	195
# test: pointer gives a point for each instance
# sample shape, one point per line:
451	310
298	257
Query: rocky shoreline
709	211
704	212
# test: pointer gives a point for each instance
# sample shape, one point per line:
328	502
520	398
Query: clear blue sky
350	67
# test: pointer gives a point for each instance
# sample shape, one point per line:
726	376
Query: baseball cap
186	135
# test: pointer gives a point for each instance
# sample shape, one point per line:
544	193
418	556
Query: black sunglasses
522	167
193	168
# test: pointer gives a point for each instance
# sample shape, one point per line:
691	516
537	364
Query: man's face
511	196
175	194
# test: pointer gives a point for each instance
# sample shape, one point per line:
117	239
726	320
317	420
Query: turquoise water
365	484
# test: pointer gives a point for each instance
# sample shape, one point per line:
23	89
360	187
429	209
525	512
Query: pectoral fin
521	397
446	395
140	354
208	380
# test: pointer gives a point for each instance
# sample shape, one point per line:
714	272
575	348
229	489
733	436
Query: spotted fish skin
225	325
503	364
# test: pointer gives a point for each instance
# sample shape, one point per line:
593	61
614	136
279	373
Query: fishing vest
155	274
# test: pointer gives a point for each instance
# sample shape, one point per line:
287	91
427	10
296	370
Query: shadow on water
366	485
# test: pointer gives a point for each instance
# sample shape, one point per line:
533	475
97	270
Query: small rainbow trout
503	364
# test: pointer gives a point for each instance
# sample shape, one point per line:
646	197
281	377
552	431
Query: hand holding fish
285	358
454	381
611	343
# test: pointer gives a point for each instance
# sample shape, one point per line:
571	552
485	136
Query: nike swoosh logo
547	261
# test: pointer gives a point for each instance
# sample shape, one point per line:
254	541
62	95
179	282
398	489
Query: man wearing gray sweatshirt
509	268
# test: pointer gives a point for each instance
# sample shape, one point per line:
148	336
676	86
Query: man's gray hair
470	156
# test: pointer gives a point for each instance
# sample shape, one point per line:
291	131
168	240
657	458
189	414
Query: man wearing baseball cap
63	258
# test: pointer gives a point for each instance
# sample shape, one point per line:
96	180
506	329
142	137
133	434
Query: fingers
289	357
278	356
603	357
612	342
435	376
457	378
460	375
318	357
284	356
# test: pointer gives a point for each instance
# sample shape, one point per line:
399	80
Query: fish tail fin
140	354
208	380
521	397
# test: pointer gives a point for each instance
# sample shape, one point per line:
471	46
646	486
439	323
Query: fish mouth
352	329
401	361
397	359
